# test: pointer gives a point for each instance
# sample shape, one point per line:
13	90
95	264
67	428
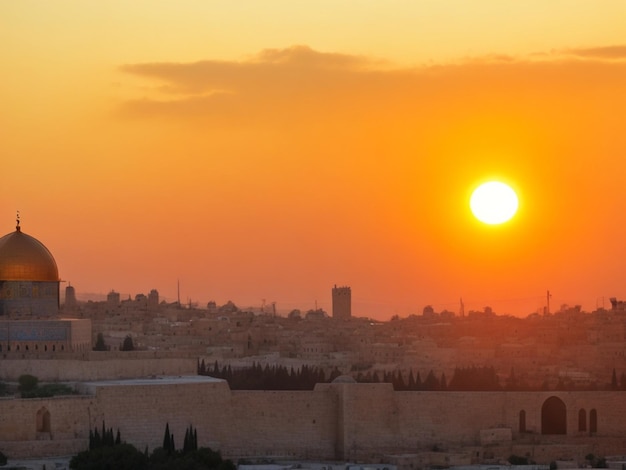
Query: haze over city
269	150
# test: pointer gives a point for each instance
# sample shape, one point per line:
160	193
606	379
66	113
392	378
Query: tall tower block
342	302
70	298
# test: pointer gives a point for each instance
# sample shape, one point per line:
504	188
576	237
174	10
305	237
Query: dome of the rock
24	258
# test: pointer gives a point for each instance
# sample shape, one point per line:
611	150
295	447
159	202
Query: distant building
429	312
342	302
153	298
113	300
70	298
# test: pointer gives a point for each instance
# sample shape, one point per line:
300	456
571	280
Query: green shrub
27	382
119	457
100	344
49	390
517	460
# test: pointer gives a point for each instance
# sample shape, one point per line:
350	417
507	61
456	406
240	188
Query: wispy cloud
299	83
265	83
211	75
603	53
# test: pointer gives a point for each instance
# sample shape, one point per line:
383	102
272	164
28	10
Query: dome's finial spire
17	227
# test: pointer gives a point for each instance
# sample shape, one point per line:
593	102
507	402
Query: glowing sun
493	203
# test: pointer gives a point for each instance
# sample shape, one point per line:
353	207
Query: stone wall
294	424
131	365
241	423
21	435
335	421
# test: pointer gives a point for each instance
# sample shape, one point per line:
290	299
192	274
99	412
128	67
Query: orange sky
269	150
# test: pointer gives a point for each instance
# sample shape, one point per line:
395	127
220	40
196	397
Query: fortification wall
240	423
141	412
22	434
367	419
18	418
335	421
281	423
75	370
442	418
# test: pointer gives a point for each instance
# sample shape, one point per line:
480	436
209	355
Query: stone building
342	302
29	278
29	300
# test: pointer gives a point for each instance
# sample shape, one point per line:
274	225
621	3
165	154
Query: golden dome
24	258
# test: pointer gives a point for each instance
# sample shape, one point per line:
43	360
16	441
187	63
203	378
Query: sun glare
493	203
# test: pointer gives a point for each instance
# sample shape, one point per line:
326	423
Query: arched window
593	421
553	416
43	420
582	420
522	421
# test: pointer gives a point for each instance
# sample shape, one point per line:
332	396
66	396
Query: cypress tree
167	444
399	382
431	383
96	439
411	384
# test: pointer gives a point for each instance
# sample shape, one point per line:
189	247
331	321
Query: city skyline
272	151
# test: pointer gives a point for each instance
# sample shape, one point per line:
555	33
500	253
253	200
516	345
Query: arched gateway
43	420
553	416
